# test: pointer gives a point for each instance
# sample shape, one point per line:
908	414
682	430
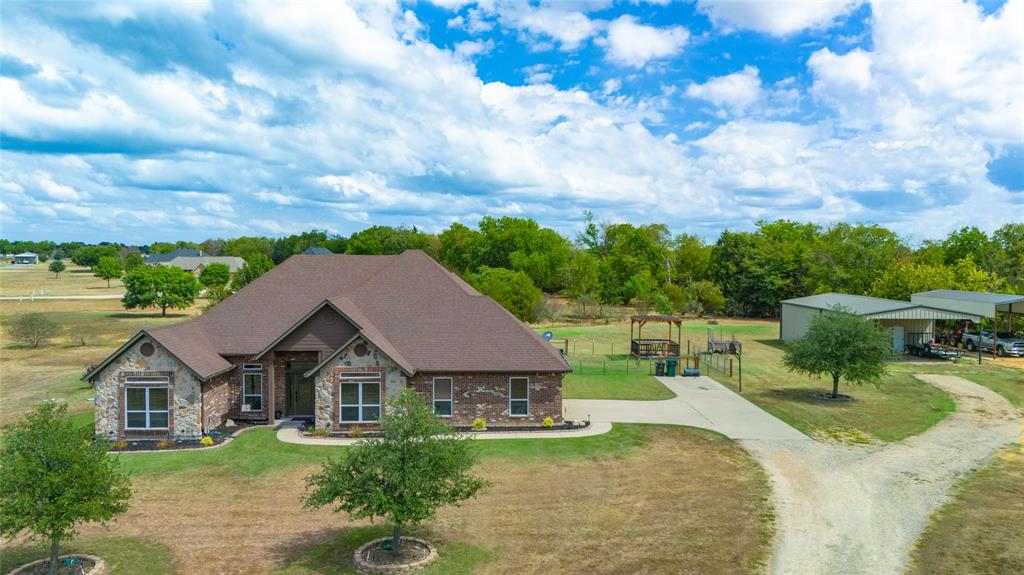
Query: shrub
548	422
119	444
355	432
479	424
79	335
33	329
206	441
164	444
320	433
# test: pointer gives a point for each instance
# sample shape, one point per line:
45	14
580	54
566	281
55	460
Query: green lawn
612	377
902	407
258	452
126	556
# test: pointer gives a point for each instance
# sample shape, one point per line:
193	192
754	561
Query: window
146	402
518	396
443	396
252	391
359	399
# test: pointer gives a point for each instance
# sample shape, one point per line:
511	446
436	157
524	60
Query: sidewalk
289	433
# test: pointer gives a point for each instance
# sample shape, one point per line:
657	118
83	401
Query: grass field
23	281
663	495
903	406
982	529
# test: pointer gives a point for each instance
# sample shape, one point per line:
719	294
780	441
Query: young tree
53	475
256	265
215	276
405	476
843	345
107	268
33	329
159	286
57	266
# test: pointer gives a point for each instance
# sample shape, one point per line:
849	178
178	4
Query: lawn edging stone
365	566
99	566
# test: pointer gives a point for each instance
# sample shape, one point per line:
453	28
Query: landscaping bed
566	426
68	565
216	437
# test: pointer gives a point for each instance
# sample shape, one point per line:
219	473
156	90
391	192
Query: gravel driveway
858	510
841	509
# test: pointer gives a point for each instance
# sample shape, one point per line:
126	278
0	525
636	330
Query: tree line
742	273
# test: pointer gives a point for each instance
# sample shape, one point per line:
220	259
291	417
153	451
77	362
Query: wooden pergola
641	347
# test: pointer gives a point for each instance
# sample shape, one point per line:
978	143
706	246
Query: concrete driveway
699	402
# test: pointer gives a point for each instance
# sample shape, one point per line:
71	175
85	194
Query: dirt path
855	510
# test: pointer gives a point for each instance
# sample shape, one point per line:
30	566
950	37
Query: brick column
269	401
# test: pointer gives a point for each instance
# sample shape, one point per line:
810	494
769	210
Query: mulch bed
412	550
79	566
219	435
567	426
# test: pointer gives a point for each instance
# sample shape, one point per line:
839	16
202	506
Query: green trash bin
670	366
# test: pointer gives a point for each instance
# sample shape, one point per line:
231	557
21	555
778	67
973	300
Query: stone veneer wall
327	380
486	395
186	393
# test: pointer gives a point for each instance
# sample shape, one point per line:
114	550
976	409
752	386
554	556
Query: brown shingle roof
418	313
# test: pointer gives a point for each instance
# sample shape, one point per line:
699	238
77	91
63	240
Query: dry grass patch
22	281
666	507
982	529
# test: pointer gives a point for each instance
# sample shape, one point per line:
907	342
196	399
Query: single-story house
316	251
910	323
195	264
26	258
332	338
175	253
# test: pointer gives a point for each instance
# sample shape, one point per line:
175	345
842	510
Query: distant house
195	264
317	251
180	252
26	258
332	339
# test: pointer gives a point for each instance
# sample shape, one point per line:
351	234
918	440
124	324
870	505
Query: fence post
604	367
591	347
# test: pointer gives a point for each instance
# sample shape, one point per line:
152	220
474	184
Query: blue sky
139	122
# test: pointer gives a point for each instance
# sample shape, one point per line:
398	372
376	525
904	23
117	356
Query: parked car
1012	346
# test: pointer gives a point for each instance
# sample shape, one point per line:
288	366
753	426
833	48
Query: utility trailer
934	350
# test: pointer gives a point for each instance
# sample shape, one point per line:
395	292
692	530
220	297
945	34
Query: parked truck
1010	345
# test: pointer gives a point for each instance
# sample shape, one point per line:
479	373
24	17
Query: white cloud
850	71
775	18
472	48
54	190
610	86
737	92
569	28
630	43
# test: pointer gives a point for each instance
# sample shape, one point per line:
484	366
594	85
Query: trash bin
659	368
691	372
670	366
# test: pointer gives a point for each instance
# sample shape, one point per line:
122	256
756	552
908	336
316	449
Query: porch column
271	403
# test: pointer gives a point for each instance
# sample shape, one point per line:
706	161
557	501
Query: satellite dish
547	335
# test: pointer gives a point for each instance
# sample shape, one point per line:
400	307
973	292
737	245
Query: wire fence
582	346
720	362
623	365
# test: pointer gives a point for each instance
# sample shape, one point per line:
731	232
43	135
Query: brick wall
216	401
486	395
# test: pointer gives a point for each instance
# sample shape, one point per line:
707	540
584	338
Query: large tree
32	329
53	476
159	286
513	290
215	276
416	467
255	265
842	345
107	268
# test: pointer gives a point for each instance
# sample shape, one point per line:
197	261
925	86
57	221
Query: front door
898	341
298	394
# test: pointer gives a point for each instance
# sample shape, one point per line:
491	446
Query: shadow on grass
329	552
776	343
808	395
140	315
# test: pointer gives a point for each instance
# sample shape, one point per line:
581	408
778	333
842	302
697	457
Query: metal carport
984	304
